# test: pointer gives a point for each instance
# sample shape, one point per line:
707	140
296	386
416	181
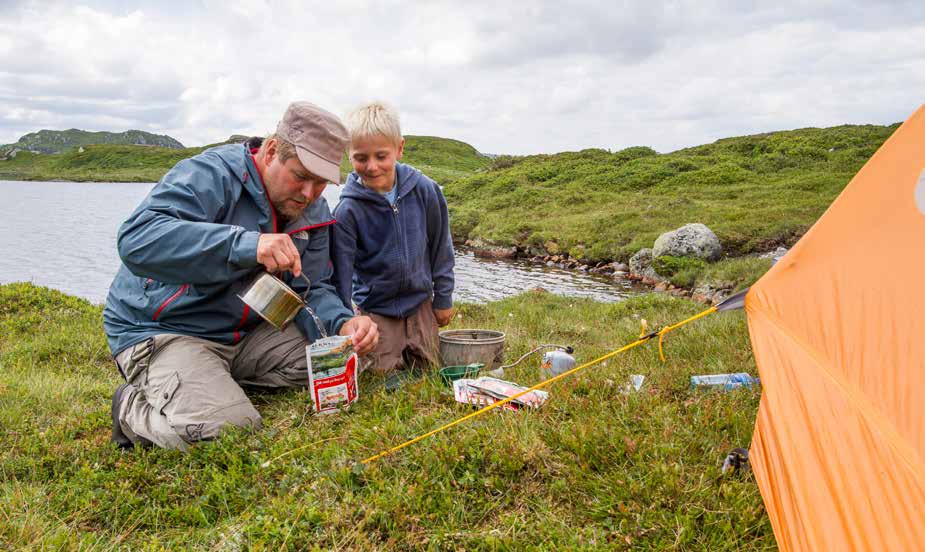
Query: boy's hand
443	316
363	332
277	253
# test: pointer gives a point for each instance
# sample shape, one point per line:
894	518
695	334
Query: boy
392	251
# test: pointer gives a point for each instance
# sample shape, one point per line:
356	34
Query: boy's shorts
412	340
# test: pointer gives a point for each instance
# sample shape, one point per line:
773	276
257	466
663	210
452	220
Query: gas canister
556	362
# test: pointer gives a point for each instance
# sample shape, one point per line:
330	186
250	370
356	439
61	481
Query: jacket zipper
401	249
169	300
313	226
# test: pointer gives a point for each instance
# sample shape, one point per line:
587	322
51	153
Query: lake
63	235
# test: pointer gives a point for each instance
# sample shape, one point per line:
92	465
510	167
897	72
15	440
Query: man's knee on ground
206	427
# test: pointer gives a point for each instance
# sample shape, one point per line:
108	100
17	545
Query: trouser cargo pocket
161	396
133	362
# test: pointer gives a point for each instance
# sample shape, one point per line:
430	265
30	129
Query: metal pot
273	300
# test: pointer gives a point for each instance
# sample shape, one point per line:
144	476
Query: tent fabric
838	332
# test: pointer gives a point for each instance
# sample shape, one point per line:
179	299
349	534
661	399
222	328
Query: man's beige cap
319	137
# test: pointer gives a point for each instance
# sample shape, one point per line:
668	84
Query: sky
506	77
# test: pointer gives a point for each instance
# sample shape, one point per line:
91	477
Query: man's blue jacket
389	258
191	246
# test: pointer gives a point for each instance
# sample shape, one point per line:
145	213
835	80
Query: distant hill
59	141
756	192
233	139
443	159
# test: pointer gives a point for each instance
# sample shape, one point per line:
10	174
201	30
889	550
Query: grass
593	468
754	192
732	274
443	159
97	163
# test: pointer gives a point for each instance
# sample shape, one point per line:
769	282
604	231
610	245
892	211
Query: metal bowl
273	300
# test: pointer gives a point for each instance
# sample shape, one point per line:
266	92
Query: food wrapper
484	391
332	374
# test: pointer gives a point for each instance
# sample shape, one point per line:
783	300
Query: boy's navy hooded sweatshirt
390	258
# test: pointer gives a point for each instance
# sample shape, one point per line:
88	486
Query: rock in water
691	240
641	265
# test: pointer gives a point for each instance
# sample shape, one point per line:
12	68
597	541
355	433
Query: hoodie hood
406	176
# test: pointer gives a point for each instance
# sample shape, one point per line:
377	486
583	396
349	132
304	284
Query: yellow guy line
502	402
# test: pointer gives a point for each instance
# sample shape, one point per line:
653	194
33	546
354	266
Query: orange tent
838	331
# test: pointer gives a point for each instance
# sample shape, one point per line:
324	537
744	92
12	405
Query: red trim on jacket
237	334
169	300
313	226
260	174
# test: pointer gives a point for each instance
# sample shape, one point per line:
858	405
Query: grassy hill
443	159
592	469
755	192
57	141
102	163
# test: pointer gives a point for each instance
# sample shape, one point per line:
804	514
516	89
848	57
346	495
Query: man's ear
401	149
269	151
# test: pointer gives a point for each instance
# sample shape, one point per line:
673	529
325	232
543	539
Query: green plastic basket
449	374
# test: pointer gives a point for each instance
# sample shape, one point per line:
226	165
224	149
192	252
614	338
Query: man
180	335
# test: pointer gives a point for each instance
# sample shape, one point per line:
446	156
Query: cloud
506	77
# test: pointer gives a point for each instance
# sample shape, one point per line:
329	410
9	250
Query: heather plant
596	467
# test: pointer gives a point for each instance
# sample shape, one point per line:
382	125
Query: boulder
774	255
641	265
484	249
691	240
552	247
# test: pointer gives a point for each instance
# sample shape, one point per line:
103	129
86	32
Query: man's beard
288	211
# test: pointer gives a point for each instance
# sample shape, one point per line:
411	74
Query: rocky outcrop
483	249
58	141
775	255
711	294
641	267
691	240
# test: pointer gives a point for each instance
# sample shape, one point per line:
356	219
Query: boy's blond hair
374	119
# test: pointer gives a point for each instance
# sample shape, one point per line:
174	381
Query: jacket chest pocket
166	297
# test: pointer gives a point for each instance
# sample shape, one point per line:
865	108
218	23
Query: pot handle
307	289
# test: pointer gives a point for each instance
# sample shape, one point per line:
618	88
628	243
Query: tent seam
879	422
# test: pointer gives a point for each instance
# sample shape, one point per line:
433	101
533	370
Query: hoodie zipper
401	249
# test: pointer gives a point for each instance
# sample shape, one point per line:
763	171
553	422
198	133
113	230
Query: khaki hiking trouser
186	389
405	340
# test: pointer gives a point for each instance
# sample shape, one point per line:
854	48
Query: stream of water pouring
317	320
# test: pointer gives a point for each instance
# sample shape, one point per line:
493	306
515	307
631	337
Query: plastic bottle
726	381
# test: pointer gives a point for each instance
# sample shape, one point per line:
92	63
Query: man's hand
277	253
443	316
364	333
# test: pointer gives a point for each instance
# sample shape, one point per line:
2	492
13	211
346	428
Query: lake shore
706	283
594	467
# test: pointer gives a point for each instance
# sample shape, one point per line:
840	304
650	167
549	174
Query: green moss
754	192
735	274
593	468
680	271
